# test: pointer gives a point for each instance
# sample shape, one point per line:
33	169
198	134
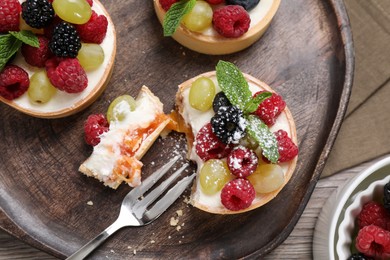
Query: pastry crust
260	199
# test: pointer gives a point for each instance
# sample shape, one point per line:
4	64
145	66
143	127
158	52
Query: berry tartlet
121	139
242	137
215	26
59	55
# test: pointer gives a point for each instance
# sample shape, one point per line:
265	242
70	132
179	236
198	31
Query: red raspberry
94	126
374	241
231	21
166	4
9	15
215	2
14	82
287	149
238	194
94	31
242	161
208	146
37	56
66	74
270	108
374	213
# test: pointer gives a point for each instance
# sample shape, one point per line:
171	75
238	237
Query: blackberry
247	4
229	124
65	41
359	256
386	196
220	100
37	13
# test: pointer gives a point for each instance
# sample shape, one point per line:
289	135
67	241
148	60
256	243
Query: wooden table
297	246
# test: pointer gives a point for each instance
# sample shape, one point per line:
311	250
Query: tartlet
209	42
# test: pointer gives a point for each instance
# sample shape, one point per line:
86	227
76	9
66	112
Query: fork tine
139	207
171	196
135	193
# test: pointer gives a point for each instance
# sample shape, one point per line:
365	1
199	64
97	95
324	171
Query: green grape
267	178
202	93
40	90
73	11
199	18
90	56
119	107
213	176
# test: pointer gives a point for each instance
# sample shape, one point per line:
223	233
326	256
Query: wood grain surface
305	56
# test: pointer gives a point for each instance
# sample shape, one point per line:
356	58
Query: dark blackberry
65	41
228	124
386	196
359	256
247	4
220	100
37	13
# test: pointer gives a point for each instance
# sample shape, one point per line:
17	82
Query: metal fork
134	210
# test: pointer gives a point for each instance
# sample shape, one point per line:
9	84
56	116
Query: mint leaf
254	103
175	14
26	37
9	45
260	132
233	84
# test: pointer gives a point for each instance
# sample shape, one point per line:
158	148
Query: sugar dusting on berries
238	194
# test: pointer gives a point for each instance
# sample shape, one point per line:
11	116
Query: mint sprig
260	132
175	14
236	88
11	42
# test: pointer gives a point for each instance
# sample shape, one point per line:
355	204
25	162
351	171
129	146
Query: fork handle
95	242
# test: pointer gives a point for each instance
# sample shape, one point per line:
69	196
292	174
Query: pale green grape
119	107
73	11
214	175
202	94
199	18
40	90
90	56
267	178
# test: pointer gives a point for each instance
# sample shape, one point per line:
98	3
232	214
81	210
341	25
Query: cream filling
105	155
62	100
197	120
256	14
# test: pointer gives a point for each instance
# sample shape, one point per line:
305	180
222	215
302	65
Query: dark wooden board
306	55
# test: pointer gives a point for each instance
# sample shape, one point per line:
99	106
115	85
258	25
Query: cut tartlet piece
117	154
61	103
215	156
208	41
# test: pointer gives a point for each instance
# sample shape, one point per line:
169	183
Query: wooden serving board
306	55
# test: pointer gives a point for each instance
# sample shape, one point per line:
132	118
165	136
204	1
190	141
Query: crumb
179	241
174	221
152	241
179	212
178	228
90	203
112	251
134	252
169	237
184	54
187	200
129	247
182	224
152	163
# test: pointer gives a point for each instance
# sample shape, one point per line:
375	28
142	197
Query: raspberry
208	146
37	56
14	82
65	41
287	149
94	31
66	74
242	161
374	213
247	4
166	4
215	2
94	126
220	100
238	194
37	13
270	108
373	241
231	21
9	15
229	124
